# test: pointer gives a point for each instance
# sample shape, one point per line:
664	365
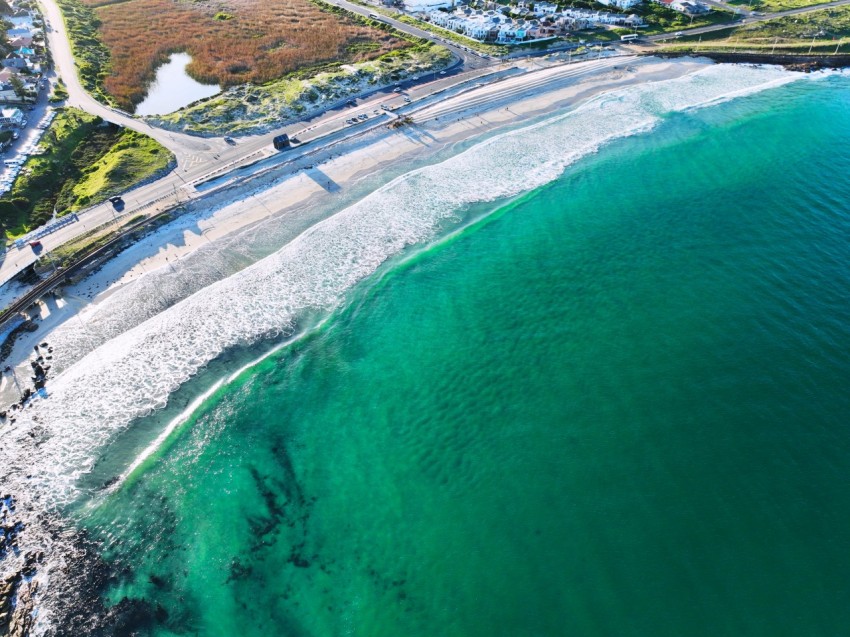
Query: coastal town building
20	41
14	61
688	7
415	6
535	22
19	32
620	4
11	117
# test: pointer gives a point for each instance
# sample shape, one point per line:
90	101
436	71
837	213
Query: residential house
7	74
418	6
620	4
11	117
11	34
689	7
633	21
8	94
545	8
22	19
20	41
14	61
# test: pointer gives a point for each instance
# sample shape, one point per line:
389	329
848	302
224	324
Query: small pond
173	89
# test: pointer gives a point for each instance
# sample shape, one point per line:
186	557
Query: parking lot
26	138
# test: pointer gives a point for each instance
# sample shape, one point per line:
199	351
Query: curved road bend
183	146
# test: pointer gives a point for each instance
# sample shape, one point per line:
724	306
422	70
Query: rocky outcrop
18	589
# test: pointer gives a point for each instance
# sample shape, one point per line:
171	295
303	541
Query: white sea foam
140	366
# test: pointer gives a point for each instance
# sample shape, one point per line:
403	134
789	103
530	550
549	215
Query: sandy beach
287	191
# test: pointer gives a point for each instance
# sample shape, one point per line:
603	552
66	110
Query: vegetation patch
822	32
662	19
69	253
59	94
91	55
253	109
772	6
120	44
83	161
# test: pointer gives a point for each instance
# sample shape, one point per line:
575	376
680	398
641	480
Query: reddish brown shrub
262	41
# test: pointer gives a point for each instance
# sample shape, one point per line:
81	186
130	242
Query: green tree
18	86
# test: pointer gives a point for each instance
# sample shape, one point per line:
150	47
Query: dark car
230	141
117	203
281	141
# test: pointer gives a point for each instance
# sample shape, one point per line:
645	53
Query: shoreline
290	200
444	126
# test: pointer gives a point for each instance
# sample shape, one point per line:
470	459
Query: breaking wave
58	440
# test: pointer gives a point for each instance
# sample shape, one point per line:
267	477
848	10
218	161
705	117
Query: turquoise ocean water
614	406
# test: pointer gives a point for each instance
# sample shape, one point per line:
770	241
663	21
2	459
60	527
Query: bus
630	37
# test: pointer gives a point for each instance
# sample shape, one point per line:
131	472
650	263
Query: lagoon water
172	89
613	405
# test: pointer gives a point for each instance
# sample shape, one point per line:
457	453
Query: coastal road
224	157
325	131
750	19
